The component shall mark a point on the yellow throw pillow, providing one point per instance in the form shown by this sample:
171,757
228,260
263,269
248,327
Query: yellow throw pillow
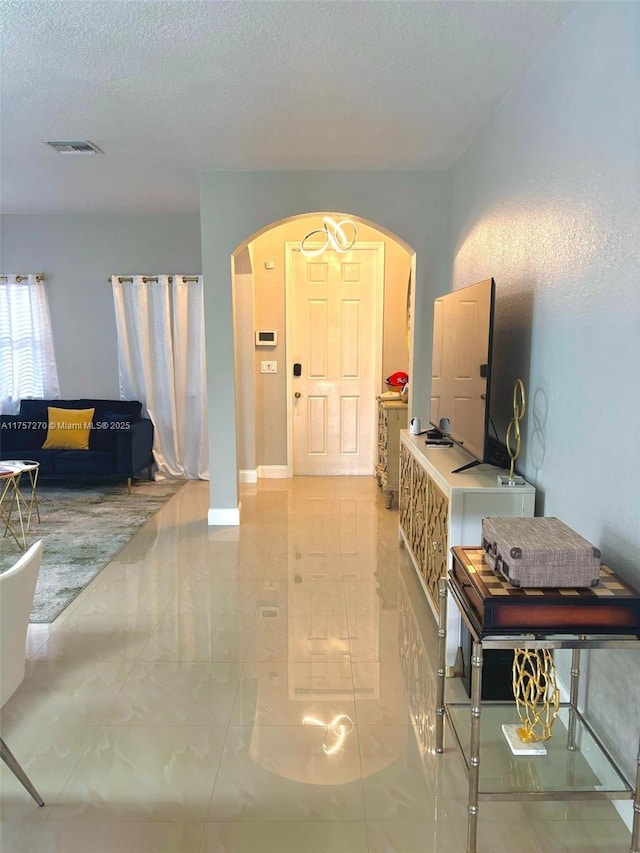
68,429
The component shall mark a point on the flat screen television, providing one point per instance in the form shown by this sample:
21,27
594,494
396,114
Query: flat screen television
461,369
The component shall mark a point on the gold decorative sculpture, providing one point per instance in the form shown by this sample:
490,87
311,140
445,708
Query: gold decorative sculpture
519,409
513,439
535,690
535,687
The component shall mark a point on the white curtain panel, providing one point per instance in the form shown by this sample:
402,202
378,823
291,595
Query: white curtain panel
27,358
190,375
161,358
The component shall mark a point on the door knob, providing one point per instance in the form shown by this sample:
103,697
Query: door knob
297,394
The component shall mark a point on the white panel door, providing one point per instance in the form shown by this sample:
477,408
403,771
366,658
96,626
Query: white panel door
333,337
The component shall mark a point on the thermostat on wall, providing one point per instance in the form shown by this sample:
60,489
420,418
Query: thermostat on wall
266,339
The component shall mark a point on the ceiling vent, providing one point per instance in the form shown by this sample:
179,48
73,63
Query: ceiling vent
82,147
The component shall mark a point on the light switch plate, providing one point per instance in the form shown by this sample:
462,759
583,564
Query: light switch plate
268,367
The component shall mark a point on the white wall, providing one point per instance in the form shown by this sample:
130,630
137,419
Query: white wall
78,254
546,201
236,205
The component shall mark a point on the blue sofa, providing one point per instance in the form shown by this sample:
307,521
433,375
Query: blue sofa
120,441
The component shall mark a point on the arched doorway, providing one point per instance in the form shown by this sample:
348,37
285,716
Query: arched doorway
262,286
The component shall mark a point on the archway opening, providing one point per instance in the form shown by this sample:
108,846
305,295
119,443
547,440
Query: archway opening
260,286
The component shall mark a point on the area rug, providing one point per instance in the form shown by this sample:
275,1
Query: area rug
83,526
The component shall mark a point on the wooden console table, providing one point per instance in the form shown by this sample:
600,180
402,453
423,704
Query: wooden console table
500,616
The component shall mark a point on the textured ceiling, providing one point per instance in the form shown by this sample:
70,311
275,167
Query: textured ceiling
167,89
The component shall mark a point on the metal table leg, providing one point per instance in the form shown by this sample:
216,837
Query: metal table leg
442,653
635,827
8,493
474,750
573,698
33,502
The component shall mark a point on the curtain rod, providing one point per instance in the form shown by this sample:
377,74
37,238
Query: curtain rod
146,279
22,277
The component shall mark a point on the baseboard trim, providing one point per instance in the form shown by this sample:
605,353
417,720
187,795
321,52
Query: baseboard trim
224,517
273,472
248,475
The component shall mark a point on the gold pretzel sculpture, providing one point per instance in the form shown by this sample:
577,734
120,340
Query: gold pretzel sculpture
536,693
535,687
513,430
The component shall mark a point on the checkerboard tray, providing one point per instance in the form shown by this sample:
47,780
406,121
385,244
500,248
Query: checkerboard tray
498,607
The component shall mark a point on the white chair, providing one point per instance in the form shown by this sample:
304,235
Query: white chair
17,586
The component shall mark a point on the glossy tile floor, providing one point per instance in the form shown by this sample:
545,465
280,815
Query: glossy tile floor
250,690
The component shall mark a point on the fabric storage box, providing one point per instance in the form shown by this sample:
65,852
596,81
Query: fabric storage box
539,552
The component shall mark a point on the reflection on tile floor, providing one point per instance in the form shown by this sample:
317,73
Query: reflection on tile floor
262,689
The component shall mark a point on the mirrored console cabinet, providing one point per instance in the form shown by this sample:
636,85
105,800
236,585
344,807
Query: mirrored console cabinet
392,417
438,509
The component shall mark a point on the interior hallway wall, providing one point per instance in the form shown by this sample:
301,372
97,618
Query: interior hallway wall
78,253
546,201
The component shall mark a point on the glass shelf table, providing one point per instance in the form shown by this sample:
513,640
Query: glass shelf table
16,507
577,766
